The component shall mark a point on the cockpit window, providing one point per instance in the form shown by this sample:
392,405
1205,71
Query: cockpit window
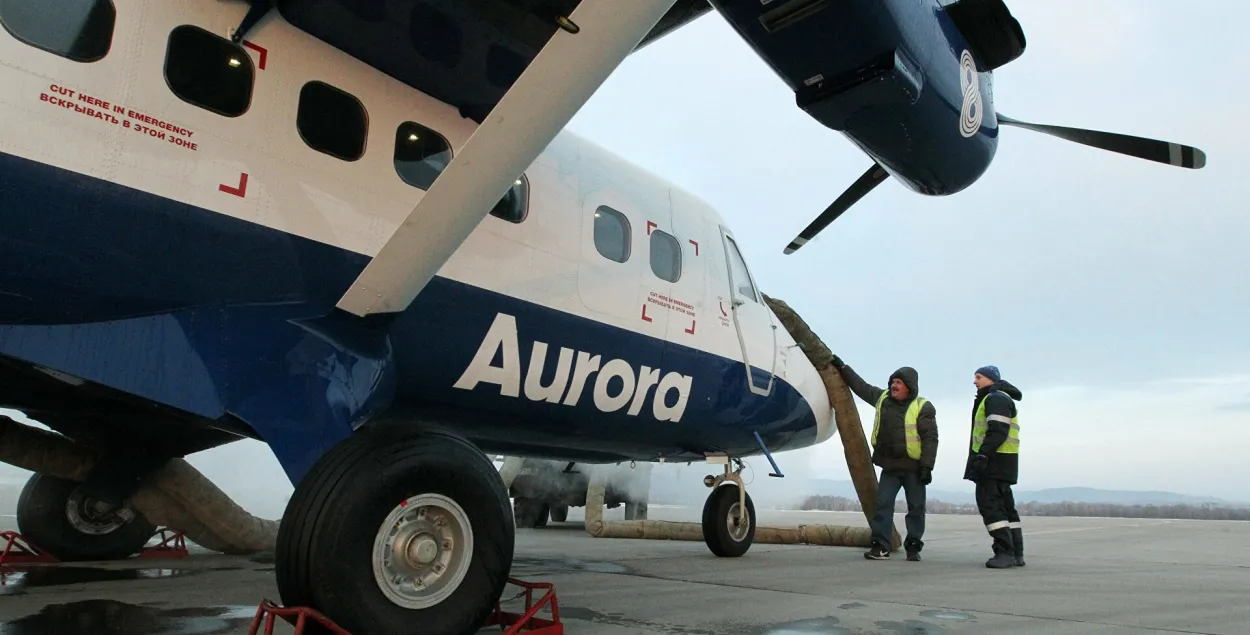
738,269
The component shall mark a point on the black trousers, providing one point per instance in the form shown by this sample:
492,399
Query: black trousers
883,521
997,505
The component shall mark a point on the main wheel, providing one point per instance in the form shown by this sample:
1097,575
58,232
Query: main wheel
528,513
398,531
724,533
559,513
635,511
53,514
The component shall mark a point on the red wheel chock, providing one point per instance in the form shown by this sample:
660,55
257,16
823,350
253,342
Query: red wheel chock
509,623
18,550
173,544
529,622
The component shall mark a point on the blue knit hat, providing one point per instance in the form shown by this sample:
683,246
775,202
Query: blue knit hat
990,372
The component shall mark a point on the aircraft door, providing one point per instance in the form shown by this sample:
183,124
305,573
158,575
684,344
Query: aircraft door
753,321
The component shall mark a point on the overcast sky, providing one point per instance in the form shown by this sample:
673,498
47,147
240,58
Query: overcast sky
1114,292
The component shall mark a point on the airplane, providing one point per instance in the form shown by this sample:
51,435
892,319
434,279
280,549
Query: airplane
357,232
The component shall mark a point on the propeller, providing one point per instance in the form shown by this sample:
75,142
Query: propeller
1165,152
860,188
1149,149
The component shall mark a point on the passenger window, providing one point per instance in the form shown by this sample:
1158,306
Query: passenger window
332,121
738,269
611,234
79,30
665,256
420,154
514,205
209,71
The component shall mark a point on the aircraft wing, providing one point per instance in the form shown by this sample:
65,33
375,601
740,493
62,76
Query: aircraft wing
520,68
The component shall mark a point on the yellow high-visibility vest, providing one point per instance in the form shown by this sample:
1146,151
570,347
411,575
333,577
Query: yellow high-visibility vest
909,424
980,424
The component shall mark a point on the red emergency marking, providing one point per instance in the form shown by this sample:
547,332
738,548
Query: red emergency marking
118,114
669,303
644,314
722,308
240,191
94,113
649,226
262,54
696,247
691,329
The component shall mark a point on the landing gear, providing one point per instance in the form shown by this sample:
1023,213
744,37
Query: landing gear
559,513
728,514
529,513
53,514
398,531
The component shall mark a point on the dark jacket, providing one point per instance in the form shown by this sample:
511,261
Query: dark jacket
890,451
1001,467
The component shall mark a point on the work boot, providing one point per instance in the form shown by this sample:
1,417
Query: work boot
1017,540
1004,550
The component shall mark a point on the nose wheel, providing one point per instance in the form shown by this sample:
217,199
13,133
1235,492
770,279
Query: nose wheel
728,515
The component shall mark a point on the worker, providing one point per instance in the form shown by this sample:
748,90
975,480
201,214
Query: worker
993,464
904,445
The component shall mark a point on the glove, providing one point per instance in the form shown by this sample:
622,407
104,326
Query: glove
980,462
838,363
926,476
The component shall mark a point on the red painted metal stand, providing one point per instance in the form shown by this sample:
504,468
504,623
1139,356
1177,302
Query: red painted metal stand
18,550
509,623
173,544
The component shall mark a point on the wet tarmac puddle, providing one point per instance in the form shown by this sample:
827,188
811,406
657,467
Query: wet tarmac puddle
15,582
565,565
912,627
108,617
818,626
949,615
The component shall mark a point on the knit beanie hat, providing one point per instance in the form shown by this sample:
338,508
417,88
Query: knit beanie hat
990,372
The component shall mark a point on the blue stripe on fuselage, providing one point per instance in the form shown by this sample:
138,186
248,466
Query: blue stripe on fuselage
203,312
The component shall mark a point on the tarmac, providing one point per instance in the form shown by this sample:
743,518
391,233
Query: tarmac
1083,575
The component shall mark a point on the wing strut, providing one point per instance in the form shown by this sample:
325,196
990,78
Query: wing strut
562,77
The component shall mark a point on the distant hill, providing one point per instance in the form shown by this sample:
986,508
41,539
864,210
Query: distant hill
1050,495
668,487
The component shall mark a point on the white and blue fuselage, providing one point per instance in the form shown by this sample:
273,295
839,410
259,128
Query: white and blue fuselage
156,252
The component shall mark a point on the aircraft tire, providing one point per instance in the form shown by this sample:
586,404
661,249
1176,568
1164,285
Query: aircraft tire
559,513
49,515
721,503
368,513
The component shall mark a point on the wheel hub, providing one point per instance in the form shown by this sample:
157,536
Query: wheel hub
94,517
737,523
422,551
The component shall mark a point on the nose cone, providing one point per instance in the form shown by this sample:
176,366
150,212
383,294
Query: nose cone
803,376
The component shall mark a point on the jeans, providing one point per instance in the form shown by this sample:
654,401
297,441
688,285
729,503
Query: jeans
883,521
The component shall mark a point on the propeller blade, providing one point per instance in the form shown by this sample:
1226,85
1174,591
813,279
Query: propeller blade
1150,149
862,186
